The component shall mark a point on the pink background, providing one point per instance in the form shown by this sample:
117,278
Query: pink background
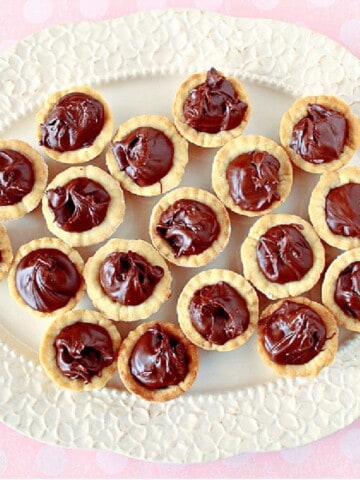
336,456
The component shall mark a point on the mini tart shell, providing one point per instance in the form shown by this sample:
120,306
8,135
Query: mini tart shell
160,394
324,358
204,139
317,202
47,354
46,242
245,144
202,196
30,201
180,158
5,252
80,155
329,285
113,309
212,277
251,268
298,111
114,215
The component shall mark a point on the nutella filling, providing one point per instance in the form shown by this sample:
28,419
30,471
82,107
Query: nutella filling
158,359
320,137
74,122
128,278
219,313
294,334
253,178
145,154
79,205
46,279
83,350
189,227
342,211
16,177
347,290
283,254
214,105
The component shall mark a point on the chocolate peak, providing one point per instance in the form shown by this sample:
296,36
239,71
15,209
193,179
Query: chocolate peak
16,177
347,290
342,211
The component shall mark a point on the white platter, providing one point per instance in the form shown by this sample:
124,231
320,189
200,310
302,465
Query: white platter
137,62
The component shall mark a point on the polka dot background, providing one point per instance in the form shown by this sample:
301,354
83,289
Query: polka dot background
337,456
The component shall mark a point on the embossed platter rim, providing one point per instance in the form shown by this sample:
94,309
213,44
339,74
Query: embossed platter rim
197,427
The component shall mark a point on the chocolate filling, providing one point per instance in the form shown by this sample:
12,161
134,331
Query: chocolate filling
219,313
16,177
79,205
158,359
320,137
283,254
294,334
145,154
347,290
128,278
83,350
189,227
342,211
74,122
214,105
253,178
46,279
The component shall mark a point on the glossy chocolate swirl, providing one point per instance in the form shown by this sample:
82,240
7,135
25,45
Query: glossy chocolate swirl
253,178
347,290
219,313
158,359
128,278
74,122
342,212
16,177
214,105
145,154
189,226
283,254
46,279
320,137
294,334
79,205
83,350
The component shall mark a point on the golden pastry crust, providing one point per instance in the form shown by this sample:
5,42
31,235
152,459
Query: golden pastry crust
115,212
204,139
212,277
160,394
251,268
298,111
30,201
47,353
317,202
324,358
245,144
202,196
6,254
80,155
329,286
57,244
180,158
113,309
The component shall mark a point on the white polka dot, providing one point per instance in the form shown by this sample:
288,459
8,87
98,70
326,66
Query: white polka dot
38,11
145,4
209,4
350,444
265,4
110,462
93,10
322,3
350,33
51,460
296,455
3,462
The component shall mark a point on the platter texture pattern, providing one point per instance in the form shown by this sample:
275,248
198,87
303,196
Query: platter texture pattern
197,427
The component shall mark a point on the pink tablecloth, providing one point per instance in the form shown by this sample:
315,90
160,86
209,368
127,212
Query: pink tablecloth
337,456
